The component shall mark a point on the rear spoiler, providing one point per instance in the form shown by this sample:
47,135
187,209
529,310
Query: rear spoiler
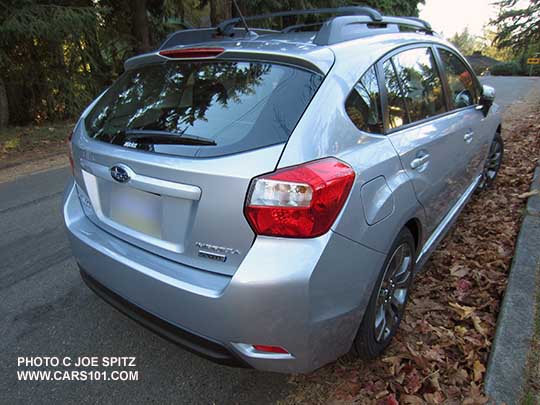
320,60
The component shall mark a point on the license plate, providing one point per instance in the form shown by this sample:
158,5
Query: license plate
136,209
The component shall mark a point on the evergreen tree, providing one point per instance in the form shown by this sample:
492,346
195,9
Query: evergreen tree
517,28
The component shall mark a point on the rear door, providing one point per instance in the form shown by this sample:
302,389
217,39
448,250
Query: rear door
165,157
426,138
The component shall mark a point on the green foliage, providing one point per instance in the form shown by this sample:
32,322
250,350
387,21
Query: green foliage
55,56
466,42
44,60
507,69
394,7
518,31
517,27
390,7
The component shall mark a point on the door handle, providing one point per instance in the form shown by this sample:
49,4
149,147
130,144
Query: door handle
420,161
468,137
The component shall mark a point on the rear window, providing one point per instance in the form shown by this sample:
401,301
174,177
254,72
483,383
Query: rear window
202,108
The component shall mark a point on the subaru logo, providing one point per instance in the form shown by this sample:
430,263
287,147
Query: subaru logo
120,173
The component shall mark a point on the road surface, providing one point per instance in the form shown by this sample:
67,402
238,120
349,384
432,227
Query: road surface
509,89
45,310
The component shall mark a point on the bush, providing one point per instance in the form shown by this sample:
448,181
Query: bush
507,69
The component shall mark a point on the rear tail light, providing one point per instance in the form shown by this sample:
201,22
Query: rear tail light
70,153
191,53
300,201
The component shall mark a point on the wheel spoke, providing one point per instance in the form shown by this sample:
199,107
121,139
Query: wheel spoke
399,256
398,299
393,292
391,320
491,167
380,323
403,271
402,279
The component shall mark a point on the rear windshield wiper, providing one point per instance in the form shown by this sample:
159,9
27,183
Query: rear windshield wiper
156,137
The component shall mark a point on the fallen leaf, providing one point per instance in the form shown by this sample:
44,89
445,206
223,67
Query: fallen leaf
463,311
391,400
528,194
411,400
478,325
478,369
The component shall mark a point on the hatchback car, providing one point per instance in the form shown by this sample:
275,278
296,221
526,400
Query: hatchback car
264,197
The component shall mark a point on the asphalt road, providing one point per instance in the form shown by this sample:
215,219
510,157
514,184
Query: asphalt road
510,89
45,310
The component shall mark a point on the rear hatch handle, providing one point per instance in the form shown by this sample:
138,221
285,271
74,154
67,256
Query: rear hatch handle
144,183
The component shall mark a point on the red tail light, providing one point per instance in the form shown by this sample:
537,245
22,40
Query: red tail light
70,153
190,53
300,201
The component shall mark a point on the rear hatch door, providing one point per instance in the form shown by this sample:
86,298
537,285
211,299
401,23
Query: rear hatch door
165,157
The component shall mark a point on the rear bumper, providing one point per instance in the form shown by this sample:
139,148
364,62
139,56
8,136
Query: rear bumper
307,296
200,345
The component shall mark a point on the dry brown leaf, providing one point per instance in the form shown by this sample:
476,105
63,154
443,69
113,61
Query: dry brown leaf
478,325
463,311
452,313
479,370
529,194
411,400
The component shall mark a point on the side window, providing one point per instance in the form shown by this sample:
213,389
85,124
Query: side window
397,112
363,104
463,90
420,82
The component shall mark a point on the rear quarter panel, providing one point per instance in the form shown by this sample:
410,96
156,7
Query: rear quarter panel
326,130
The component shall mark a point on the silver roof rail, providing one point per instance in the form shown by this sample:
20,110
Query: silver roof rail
345,28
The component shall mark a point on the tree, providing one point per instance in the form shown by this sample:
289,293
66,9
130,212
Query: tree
4,106
57,55
222,9
466,42
517,28
394,7
42,46
141,30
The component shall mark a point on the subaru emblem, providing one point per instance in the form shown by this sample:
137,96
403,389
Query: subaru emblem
120,173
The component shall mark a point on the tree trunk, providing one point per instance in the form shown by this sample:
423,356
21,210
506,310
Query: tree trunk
140,27
220,10
4,107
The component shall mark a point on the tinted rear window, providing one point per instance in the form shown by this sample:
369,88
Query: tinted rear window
226,107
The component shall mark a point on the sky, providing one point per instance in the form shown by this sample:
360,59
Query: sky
451,16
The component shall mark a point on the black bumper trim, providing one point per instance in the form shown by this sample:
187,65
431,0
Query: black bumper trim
199,345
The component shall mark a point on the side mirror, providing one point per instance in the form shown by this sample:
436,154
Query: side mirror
487,99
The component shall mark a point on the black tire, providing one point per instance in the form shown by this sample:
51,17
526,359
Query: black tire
367,344
492,164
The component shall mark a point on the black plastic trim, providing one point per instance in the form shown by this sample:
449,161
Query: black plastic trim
197,344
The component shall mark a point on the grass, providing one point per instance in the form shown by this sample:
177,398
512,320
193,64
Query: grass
531,394
33,141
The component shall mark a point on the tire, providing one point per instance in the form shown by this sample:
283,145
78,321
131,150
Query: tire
372,337
492,164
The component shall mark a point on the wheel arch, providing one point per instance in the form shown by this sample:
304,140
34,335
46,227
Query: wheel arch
415,227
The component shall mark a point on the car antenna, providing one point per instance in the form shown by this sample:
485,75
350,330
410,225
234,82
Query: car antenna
246,26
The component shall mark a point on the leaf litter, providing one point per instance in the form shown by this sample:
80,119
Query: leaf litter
441,351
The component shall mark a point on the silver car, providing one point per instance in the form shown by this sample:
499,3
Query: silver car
264,198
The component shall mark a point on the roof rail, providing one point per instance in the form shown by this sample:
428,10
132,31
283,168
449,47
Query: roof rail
200,35
224,27
345,28
350,23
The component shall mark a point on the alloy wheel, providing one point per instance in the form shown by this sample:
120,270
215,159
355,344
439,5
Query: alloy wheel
393,292
492,165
